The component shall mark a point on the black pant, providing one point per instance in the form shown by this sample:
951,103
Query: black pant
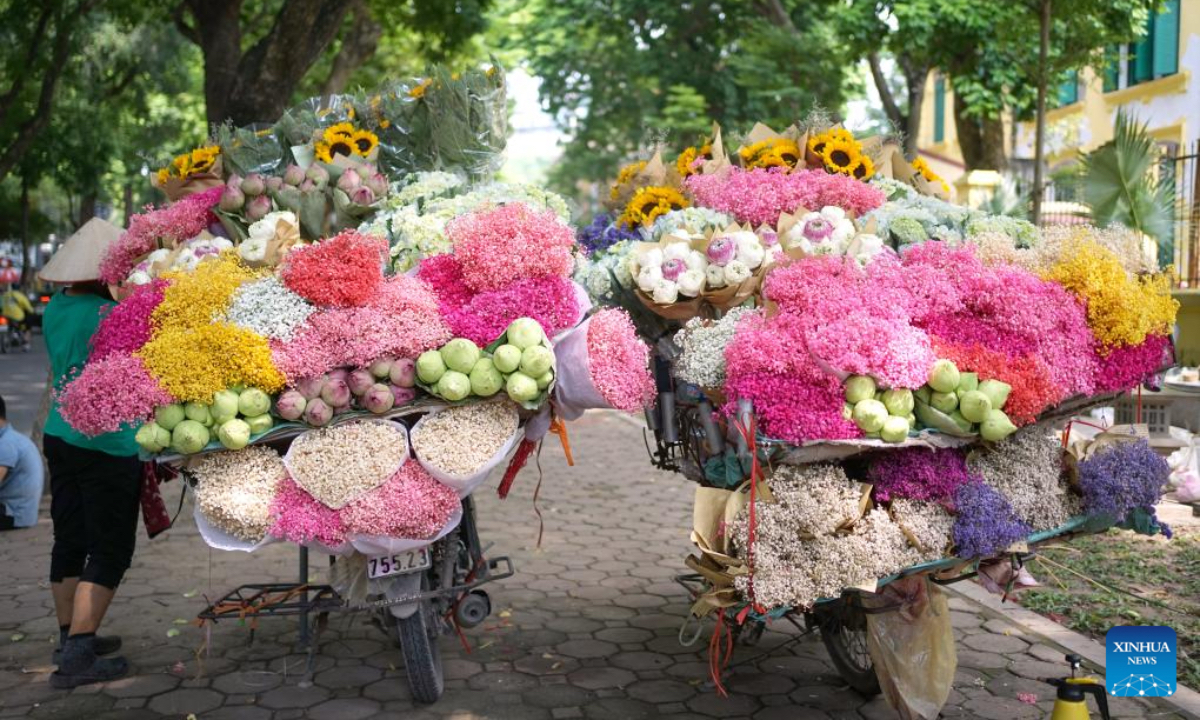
94,505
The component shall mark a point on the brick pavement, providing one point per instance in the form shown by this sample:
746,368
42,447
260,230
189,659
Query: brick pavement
586,629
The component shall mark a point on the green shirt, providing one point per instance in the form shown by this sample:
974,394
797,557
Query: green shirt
68,324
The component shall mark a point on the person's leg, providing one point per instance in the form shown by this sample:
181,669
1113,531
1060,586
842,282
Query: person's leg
69,553
64,600
91,604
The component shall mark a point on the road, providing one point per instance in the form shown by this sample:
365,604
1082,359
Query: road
22,382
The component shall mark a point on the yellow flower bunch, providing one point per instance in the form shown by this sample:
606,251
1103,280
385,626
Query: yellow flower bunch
1122,308
841,153
418,91
927,172
346,140
193,363
198,161
650,202
683,163
776,152
626,175
197,298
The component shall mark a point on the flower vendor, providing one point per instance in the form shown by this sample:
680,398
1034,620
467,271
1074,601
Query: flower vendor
94,481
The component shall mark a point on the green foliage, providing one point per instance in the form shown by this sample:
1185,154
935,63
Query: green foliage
1121,187
614,73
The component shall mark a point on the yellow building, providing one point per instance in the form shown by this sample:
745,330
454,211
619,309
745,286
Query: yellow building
1151,79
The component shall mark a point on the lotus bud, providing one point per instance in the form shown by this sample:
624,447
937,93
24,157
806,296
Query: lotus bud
317,174
258,207
366,170
349,181
944,402
274,184
870,415
996,391
378,184
859,388
975,406
996,426
234,181
362,195
293,175
381,368
317,413
944,376
402,395
232,199
307,186
899,401
254,184
310,388
378,398
895,429
360,381
336,392
403,373
291,404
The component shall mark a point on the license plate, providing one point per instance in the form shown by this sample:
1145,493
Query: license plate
408,561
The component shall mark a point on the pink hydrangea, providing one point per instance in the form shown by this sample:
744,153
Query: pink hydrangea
401,320
794,399
155,228
127,327
411,504
482,317
343,271
110,394
1009,310
618,361
300,518
499,246
759,195
1127,367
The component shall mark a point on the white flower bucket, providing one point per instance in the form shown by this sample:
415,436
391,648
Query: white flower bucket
220,540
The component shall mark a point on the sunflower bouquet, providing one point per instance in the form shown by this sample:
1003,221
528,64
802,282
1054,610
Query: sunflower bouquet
190,172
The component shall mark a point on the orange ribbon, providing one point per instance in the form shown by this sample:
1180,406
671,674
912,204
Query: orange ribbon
559,428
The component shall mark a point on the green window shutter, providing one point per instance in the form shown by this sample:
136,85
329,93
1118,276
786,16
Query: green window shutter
1068,91
1112,70
1165,59
1141,56
939,109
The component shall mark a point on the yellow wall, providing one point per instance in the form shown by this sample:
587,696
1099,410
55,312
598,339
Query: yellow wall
1170,106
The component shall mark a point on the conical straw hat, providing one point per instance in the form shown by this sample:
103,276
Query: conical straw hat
78,260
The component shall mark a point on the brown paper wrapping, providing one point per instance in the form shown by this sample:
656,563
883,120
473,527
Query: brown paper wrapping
720,159
178,188
655,174
761,132
286,237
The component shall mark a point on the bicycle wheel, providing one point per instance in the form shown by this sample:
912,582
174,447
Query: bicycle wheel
418,636
844,633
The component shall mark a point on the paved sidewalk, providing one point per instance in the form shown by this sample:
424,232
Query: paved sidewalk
586,629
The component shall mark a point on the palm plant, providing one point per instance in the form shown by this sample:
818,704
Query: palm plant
1120,186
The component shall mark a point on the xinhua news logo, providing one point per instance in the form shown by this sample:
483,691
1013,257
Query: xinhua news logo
1140,661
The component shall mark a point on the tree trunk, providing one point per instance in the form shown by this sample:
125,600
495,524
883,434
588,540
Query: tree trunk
87,207
257,85
27,265
914,78
980,140
357,47
130,210
1039,149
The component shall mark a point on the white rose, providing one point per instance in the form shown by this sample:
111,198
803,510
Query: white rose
749,249
691,283
650,258
832,213
138,277
696,261
843,231
865,247
221,244
649,278
666,292
715,276
156,256
186,259
736,272
676,251
264,229
253,249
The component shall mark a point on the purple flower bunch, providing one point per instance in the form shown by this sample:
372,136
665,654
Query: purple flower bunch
1122,478
602,233
920,474
985,522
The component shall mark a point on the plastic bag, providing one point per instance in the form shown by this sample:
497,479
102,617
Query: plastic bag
377,545
464,485
220,540
337,503
575,392
912,648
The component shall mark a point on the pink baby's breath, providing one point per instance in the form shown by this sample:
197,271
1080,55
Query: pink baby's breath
300,518
155,228
759,195
127,327
1127,367
618,361
499,246
411,504
343,271
109,394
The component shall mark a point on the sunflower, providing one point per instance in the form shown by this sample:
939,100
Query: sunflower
685,163
342,130
339,146
863,169
649,203
927,172
181,165
840,155
816,143
203,159
364,142
839,134
627,173
163,175
418,91
321,150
